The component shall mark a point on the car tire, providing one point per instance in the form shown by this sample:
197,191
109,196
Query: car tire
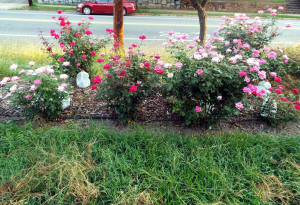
87,10
124,12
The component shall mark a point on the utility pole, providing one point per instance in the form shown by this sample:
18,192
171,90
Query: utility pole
118,23
30,2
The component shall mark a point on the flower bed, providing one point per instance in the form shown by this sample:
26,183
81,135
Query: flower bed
235,73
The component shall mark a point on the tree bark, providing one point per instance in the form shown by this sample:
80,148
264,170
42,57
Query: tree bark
30,2
200,6
118,24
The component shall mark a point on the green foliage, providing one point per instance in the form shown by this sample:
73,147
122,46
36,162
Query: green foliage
189,89
127,83
39,92
72,165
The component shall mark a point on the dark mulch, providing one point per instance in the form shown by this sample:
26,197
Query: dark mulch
155,112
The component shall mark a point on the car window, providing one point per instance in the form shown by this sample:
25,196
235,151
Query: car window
102,1
109,0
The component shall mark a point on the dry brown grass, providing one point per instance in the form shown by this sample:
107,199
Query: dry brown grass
129,198
272,188
68,175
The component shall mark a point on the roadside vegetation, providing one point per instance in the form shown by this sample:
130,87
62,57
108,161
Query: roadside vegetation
75,164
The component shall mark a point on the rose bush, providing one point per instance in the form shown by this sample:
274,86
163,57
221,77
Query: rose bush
78,47
127,81
207,83
38,91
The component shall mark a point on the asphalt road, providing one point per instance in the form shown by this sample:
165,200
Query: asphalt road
24,25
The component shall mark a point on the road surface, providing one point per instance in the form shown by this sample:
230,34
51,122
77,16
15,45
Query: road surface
18,25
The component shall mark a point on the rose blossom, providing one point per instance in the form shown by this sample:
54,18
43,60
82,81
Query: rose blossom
27,97
37,82
63,76
288,25
31,63
239,105
87,32
66,63
106,66
15,78
219,97
273,74
200,72
132,88
277,79
13,67
142,37
33,88
178,65
272,54
60,88
197,109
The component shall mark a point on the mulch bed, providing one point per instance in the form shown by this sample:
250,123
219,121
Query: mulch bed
155,112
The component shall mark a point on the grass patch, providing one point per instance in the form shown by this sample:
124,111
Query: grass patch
210,14
92,165
20,53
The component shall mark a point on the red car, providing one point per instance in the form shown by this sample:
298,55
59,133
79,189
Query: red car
104,6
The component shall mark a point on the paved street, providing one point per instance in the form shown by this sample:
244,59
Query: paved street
19,25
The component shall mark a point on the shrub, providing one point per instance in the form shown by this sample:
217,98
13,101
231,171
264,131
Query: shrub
202,86
39,91
128,81
79,48
208,82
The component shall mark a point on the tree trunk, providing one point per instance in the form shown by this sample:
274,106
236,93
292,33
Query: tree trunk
201,6
202,21
118,24
30,2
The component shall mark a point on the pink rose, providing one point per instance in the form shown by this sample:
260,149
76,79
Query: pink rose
197,109
37,82
239,105
27,97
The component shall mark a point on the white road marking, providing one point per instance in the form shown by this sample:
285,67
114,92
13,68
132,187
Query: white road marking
135,39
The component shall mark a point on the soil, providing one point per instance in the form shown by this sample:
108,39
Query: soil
155,114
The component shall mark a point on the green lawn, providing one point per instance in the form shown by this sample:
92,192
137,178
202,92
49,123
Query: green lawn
77,164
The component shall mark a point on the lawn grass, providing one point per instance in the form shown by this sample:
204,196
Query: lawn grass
75,164
20,53
156,12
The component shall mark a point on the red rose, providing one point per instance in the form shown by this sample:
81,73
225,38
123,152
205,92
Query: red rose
277,79
97,80
123,73
281,87
93,87
295,91
100,60
87,32
147,64
59,11
278,91
116,44
297,107
133,88
93,53
270,89
106,66
142,37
